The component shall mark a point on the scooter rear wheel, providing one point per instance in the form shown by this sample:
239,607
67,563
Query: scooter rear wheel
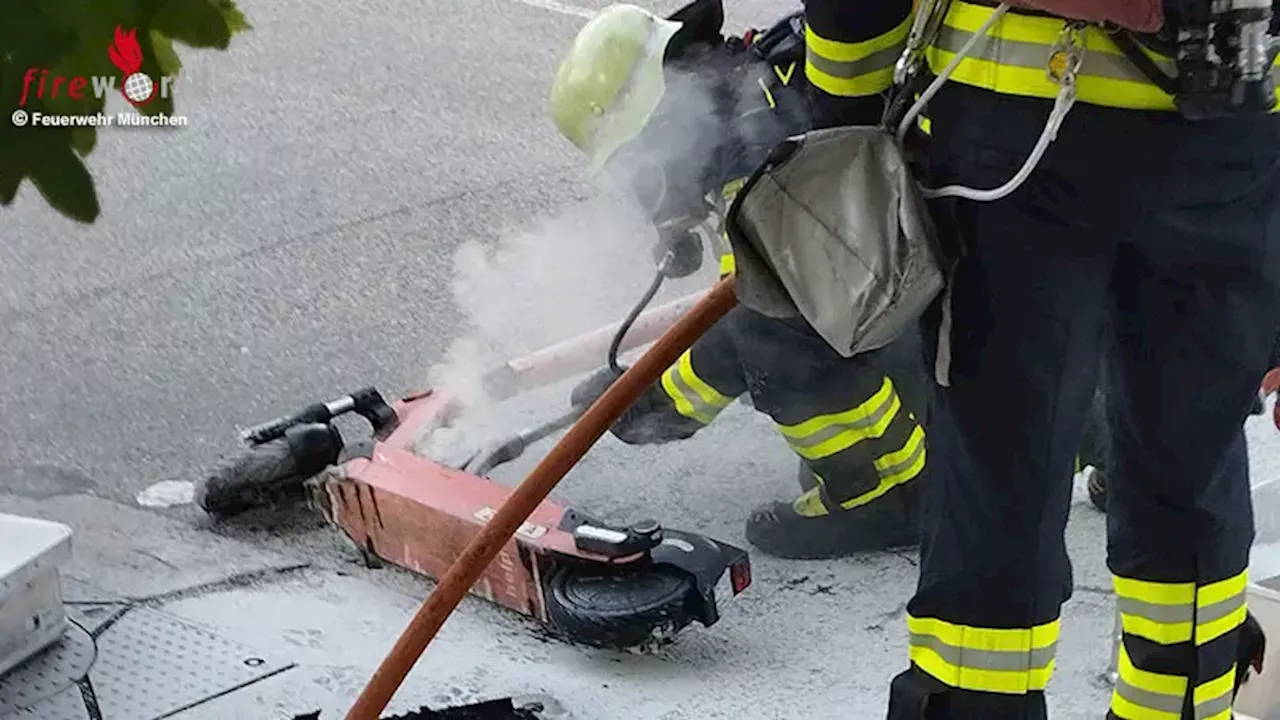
619,609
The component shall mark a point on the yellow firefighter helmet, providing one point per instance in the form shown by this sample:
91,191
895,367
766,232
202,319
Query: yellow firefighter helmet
611,80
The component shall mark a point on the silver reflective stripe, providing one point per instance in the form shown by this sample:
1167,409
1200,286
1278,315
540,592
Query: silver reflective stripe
1213,708
825,433
1035,56
849,69
702,410
1165,614
1220,609
1020,661
1150,700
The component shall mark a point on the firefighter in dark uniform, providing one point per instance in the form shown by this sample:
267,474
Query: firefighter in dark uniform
1164,225
851,421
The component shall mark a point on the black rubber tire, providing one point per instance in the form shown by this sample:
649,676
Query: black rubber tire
619,609
256,477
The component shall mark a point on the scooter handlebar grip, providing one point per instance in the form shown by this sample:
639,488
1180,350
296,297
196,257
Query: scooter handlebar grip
273,429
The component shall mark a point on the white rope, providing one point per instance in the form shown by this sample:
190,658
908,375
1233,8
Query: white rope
1061,106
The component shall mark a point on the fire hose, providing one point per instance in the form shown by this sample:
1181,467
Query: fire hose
494,535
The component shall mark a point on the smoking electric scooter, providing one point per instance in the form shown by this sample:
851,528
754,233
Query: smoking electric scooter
591,582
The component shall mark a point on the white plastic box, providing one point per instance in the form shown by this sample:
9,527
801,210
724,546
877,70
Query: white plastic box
32,616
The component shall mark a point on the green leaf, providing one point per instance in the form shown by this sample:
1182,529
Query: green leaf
236,21
65,183
192,22
83,139
32,38
166,57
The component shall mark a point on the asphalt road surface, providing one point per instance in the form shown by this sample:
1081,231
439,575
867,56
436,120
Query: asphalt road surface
296,240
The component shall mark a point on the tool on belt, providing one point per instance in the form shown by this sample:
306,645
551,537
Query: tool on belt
1223,57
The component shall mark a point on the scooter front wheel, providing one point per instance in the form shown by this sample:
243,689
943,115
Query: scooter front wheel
615,608
251,479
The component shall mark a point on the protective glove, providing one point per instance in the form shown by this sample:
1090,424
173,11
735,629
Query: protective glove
643,423
1144,16
686,250
590,389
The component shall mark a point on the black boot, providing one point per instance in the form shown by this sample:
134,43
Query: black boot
1253,646
802,530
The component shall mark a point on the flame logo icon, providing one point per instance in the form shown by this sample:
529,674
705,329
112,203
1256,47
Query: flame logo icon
125,53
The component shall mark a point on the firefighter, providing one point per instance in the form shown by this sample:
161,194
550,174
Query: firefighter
851,421
1139,212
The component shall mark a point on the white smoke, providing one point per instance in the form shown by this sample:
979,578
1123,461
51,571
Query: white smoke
578,270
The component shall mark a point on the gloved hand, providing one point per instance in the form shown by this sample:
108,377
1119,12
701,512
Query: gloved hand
590,389
643,423
686,249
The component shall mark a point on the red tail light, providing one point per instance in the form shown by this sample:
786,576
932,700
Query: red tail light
740,575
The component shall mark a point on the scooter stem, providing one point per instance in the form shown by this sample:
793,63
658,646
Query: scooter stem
495,534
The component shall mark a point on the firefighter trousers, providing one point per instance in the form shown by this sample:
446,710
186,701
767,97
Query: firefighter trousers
1151,243
849,419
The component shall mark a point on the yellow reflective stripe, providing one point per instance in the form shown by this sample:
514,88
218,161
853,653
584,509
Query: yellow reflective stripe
693,397
785,77
926,125
726,264
709,395
1163,613
1014,26
1220,607
731,188
1213,699
905,463
1157,593
848,52
810,503
854,69
1223,590
773,104
1008,661
1014,59
872,83
825,435
1143,695
895,468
